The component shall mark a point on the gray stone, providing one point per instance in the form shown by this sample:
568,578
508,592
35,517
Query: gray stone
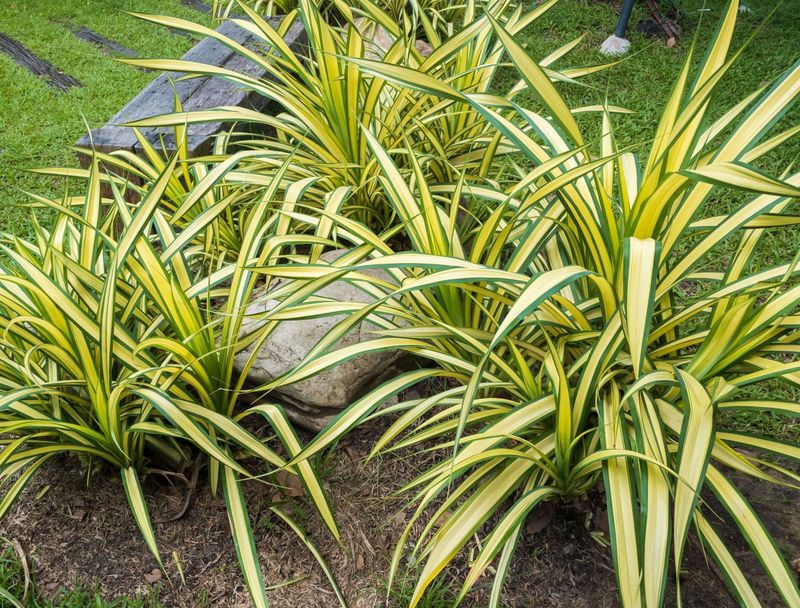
377,41
313,402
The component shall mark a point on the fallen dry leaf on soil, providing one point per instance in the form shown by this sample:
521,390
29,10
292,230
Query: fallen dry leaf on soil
290,484
601,520
352,454
541,517
153,576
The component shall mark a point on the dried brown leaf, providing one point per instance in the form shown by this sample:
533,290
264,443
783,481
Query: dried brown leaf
541,517
153,576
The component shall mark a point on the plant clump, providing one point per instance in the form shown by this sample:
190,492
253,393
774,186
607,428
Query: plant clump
542,275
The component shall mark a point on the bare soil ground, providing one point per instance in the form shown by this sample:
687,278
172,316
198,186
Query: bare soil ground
74,533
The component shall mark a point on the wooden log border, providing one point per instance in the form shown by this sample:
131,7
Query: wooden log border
106,46
198,5
195,94
35,65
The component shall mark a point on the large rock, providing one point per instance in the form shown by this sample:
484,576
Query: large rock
377,41
313,402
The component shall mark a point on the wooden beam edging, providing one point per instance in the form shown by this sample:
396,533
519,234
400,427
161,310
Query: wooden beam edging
35,65
106,45
197,5
195,94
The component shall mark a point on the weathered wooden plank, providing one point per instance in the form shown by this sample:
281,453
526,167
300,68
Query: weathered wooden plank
35,65
195,94
198,5
218,92
106,46
158,96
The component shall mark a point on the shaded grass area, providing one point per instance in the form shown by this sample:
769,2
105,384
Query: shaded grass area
39,124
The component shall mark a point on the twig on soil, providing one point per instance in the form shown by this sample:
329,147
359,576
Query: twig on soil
291,581
187,500
367,545
208,565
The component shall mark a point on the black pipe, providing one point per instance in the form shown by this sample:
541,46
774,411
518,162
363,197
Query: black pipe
624,17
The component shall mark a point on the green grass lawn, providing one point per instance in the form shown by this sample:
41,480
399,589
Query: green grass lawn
643,79
39,124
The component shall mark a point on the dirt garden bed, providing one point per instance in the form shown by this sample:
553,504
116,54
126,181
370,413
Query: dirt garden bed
78,535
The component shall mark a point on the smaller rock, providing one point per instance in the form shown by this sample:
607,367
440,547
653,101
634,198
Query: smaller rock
398,519
541,517
352,454
425,49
